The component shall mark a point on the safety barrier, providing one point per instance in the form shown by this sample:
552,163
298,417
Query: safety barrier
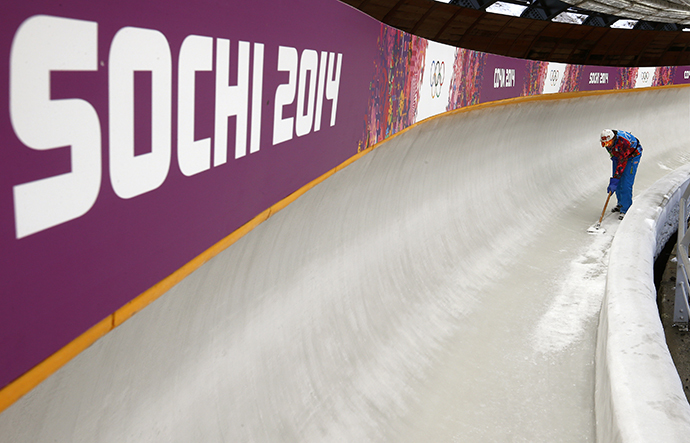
639,396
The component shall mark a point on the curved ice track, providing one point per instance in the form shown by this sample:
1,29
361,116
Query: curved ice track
441,288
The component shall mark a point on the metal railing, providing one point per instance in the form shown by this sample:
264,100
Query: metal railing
681,307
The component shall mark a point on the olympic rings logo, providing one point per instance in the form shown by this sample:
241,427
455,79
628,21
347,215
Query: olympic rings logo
438,75
553,77
644,76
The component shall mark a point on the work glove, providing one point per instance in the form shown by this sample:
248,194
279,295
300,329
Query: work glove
613,184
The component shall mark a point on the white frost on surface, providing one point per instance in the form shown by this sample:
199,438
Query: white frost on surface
578,296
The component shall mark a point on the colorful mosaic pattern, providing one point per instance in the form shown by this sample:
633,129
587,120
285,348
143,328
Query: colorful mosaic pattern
627,79
664,76
468,72
536,77
394,91
571,78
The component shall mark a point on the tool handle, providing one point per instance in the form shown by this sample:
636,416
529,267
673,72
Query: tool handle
605,205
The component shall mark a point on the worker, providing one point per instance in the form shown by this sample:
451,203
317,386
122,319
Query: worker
625,151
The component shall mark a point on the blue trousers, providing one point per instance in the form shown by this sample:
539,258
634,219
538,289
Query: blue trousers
625,185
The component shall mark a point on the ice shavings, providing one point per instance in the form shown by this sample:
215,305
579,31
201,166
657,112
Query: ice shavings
578,297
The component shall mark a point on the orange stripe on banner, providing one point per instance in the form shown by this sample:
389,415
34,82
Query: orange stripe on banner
25,383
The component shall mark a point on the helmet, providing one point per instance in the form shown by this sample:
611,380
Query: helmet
607,136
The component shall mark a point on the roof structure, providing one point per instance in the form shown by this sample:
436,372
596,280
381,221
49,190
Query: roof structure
591,32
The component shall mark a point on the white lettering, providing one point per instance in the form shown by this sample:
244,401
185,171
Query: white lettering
499,76
598,78
504,78
137,49
196,54
257,97
231,101
305,117
320,90
333,83
510,78
285,95
43,44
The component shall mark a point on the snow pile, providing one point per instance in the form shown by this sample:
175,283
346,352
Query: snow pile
639,396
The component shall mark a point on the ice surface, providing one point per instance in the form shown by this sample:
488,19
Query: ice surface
441,288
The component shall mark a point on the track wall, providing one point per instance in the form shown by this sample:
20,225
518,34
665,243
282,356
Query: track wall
139,137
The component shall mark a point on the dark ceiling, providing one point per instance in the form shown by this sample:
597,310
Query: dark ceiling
528,38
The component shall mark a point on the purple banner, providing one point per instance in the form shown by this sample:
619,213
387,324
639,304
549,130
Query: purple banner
595,78
138,134
503,78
